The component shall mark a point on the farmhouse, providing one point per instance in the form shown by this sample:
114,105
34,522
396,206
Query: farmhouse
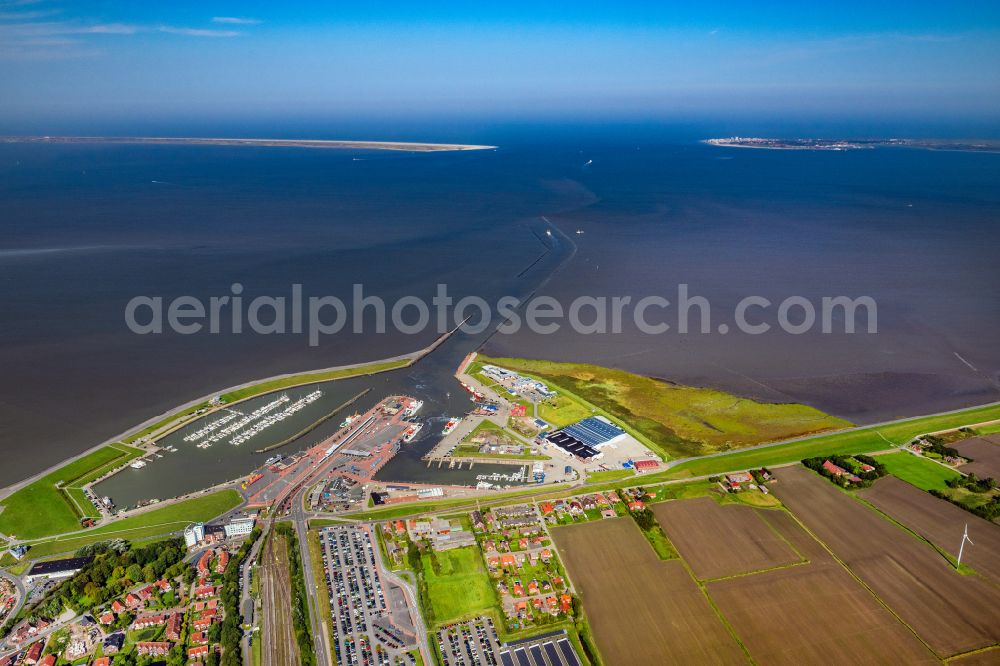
734,482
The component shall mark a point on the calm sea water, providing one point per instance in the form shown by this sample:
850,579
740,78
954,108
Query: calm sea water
84,229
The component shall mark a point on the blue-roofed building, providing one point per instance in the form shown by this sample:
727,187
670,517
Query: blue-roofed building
594,431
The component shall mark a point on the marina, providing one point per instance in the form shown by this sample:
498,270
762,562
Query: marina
430,381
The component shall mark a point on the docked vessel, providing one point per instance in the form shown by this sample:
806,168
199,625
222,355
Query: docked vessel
412,431
266,420
413,408
476,395
350,419
138,464
451,425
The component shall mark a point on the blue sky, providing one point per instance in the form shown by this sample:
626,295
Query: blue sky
64,60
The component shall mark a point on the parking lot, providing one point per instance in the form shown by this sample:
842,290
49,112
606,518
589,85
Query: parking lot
367,628
472,643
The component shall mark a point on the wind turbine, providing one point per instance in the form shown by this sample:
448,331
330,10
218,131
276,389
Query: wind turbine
961,547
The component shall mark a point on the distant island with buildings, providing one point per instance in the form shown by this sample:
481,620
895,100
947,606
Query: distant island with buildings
853,144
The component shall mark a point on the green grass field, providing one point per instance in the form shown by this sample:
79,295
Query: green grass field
610,475
917,470
462,588
678,421
864,440
42,509
310,378
144,525
990,429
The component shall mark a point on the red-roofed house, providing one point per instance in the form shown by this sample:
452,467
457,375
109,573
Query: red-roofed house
174,626
147,592
34,653
201,624
117,606
646,465
144,621
836,470
198,651
199,637
205,592
637,505
48,660
164,585
565,603
107,618
133,601
152,647
205,562
547,508
103,661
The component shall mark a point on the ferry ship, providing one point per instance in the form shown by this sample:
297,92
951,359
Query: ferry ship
413,408
412,431
451,425
350,419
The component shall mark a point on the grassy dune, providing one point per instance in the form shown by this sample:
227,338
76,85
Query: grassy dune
680,420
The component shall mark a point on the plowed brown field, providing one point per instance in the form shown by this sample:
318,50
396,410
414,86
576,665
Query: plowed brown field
719,541
642,610
951,612
940,522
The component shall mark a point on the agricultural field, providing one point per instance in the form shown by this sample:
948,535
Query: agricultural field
629,594
458,586
918,470
678,420
814,614
939,522
951,612
46,507
985,455
721,541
